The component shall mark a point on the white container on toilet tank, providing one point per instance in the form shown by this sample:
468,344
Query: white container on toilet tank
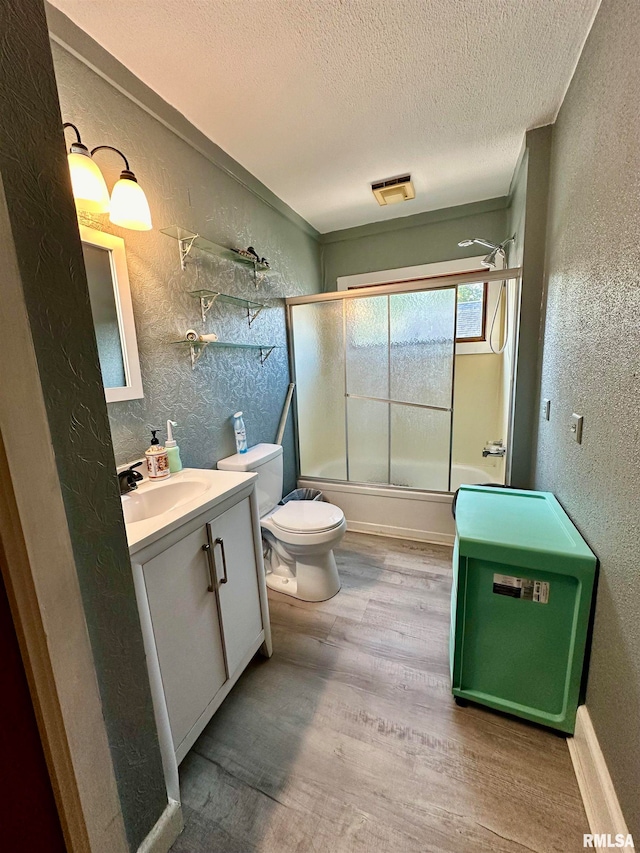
300,536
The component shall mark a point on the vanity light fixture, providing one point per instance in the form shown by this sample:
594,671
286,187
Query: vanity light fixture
89,188
128,206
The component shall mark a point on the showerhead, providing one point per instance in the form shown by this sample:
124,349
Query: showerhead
489,260
479,241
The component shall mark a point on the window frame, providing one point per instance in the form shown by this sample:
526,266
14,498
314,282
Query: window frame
483,337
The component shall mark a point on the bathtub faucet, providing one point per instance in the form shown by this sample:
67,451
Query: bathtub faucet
494,448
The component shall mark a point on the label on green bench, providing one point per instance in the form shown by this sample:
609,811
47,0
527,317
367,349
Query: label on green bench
523,588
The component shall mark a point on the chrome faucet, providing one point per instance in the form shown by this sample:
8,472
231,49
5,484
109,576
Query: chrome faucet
494,448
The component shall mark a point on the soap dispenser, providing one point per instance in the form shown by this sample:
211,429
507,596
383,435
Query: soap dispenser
173,451
157,461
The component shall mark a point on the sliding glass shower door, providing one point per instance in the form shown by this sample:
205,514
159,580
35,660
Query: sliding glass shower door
374,377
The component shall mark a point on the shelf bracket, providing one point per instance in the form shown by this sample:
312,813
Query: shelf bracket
252,316
206,304
196,354
265,355
185,247
258,277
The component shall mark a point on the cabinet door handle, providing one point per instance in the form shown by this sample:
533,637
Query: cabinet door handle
220,542
210,565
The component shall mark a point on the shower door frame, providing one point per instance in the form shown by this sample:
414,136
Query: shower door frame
441,282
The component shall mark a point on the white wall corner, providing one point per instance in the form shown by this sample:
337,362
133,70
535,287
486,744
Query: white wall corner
596,788
167,828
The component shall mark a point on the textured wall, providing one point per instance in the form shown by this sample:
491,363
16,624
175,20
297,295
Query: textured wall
590,365
528,221
185,188
48,250
425,238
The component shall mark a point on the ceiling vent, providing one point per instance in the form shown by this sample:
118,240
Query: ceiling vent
393,190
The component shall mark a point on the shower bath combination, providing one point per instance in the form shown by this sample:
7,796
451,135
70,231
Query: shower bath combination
489,261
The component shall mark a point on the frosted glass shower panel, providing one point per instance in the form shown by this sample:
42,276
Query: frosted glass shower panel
367,350
318,343
422,330
420,448
368,431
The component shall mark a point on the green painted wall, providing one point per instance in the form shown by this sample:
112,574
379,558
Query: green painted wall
424,238
591,361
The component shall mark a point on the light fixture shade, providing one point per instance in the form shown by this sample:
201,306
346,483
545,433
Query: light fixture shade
89,188
129,206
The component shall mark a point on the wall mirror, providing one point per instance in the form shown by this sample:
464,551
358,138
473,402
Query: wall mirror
106,264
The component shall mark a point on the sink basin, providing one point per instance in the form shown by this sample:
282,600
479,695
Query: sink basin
159,508
151,499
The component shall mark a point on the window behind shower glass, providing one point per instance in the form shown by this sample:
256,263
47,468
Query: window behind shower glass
471,312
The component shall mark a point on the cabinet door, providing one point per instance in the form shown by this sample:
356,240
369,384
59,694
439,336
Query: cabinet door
231,537
186,628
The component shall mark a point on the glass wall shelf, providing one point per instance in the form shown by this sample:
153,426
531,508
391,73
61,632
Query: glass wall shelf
209,297
197,348
188,240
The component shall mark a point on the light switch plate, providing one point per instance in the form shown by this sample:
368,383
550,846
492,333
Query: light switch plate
576,427
546,409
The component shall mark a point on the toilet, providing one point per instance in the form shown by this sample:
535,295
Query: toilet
299,536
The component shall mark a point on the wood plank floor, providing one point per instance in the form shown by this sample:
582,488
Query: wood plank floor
348,738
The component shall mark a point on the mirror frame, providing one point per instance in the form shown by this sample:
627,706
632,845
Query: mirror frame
124,309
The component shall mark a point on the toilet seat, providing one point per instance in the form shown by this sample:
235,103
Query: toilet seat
307,517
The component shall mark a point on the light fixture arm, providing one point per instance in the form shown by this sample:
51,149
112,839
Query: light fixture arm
77,147
77,132
127,171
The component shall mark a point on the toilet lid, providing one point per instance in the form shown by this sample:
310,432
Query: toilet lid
307,516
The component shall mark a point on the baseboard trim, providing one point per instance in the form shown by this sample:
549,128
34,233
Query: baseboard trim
596,788
167,828
401,532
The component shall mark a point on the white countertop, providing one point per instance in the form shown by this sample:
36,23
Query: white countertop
214,487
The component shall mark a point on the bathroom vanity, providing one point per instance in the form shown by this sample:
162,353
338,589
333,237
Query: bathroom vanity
196,555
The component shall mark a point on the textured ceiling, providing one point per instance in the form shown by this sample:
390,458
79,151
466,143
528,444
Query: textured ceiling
318,98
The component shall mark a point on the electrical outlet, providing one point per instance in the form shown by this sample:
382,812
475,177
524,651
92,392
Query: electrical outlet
546,409
576,427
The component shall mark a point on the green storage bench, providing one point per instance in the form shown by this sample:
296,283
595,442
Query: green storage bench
523,581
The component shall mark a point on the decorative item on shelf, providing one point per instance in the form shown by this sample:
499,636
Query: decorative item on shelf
251,254
199,343
258,263
194,337
189,240
128,206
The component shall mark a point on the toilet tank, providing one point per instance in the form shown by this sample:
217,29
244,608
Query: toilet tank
266,461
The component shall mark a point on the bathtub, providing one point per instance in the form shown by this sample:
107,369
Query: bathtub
467,475
397,511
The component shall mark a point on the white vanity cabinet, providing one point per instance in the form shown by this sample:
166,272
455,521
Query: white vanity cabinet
233,563
187,630
202,601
